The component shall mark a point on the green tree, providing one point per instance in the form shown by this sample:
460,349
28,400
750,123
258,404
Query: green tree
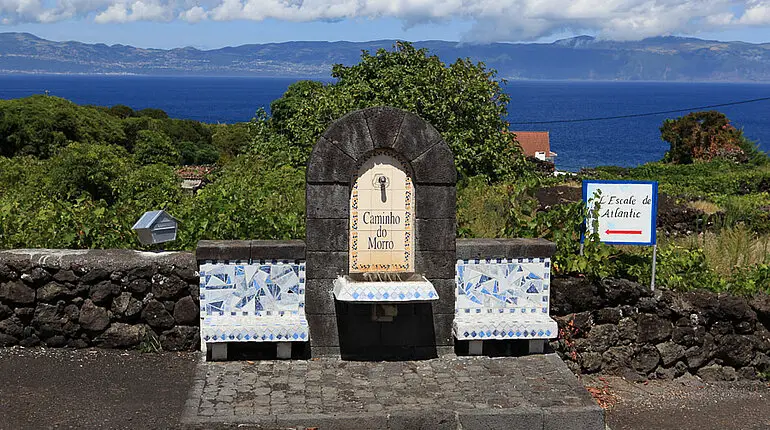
41,125
152,113
121,111
272,196
90,169
462,100
155,147
231,140
705,136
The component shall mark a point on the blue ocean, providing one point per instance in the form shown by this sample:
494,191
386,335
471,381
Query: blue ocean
621,142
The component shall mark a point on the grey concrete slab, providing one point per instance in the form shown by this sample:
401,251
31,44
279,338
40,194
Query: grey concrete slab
350,134
327,200
468,249
227,250
586,418
277,250
326,264
501,419
435,234
323,330
319,298
418,420
435,264
435,201
446,296
339,421
416,137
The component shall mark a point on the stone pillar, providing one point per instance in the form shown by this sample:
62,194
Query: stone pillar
346,144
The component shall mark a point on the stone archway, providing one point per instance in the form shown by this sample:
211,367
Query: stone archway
334,161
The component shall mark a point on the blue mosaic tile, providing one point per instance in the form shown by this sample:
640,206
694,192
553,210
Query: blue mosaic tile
252,302
503,298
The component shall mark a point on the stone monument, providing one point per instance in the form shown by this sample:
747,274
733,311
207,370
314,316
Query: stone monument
380,274
380,237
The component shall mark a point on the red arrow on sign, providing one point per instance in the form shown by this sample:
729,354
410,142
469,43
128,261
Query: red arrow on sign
623,232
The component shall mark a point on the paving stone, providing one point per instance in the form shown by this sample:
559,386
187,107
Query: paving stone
475,392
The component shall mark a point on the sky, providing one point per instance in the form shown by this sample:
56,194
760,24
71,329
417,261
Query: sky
211,24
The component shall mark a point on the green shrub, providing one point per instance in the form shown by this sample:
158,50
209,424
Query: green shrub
155,147
41,125
250,198
90,170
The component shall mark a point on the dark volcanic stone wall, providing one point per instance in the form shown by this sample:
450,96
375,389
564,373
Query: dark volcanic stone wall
104,298
621,327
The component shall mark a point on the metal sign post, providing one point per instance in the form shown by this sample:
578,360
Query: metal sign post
654,261
627,214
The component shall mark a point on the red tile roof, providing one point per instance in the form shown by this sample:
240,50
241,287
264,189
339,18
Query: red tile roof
194,172
533,141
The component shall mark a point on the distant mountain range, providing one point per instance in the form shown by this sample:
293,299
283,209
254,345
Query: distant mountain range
579,58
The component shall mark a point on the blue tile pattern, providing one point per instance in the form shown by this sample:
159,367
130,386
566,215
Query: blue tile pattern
259,302
375,292
503,299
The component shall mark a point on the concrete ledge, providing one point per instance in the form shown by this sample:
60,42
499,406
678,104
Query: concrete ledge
583,418
277,250
108,259
347,421
246,250
502,419
223,250
468,249
423,420
525,417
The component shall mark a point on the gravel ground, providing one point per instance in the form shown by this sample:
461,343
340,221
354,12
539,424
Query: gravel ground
683,404
44,388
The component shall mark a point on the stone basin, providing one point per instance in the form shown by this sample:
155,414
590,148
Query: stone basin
384,288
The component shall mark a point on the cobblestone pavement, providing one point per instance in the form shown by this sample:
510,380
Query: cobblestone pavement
451,392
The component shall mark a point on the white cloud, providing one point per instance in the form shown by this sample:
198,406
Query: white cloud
136,11
193,15
757,13
494,19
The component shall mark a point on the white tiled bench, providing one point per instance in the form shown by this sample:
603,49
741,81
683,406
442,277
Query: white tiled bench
262,301
503,298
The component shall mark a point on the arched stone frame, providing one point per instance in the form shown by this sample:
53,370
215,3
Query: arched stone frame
333,162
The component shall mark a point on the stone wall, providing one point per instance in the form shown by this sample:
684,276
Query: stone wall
104,298
621,327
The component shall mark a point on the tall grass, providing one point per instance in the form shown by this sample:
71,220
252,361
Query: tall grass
732,248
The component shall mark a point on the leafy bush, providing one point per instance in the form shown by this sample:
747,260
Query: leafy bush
705,136
155,147
41,125
89,170
462,100
248,199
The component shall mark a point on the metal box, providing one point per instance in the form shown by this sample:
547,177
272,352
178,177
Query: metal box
156,227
